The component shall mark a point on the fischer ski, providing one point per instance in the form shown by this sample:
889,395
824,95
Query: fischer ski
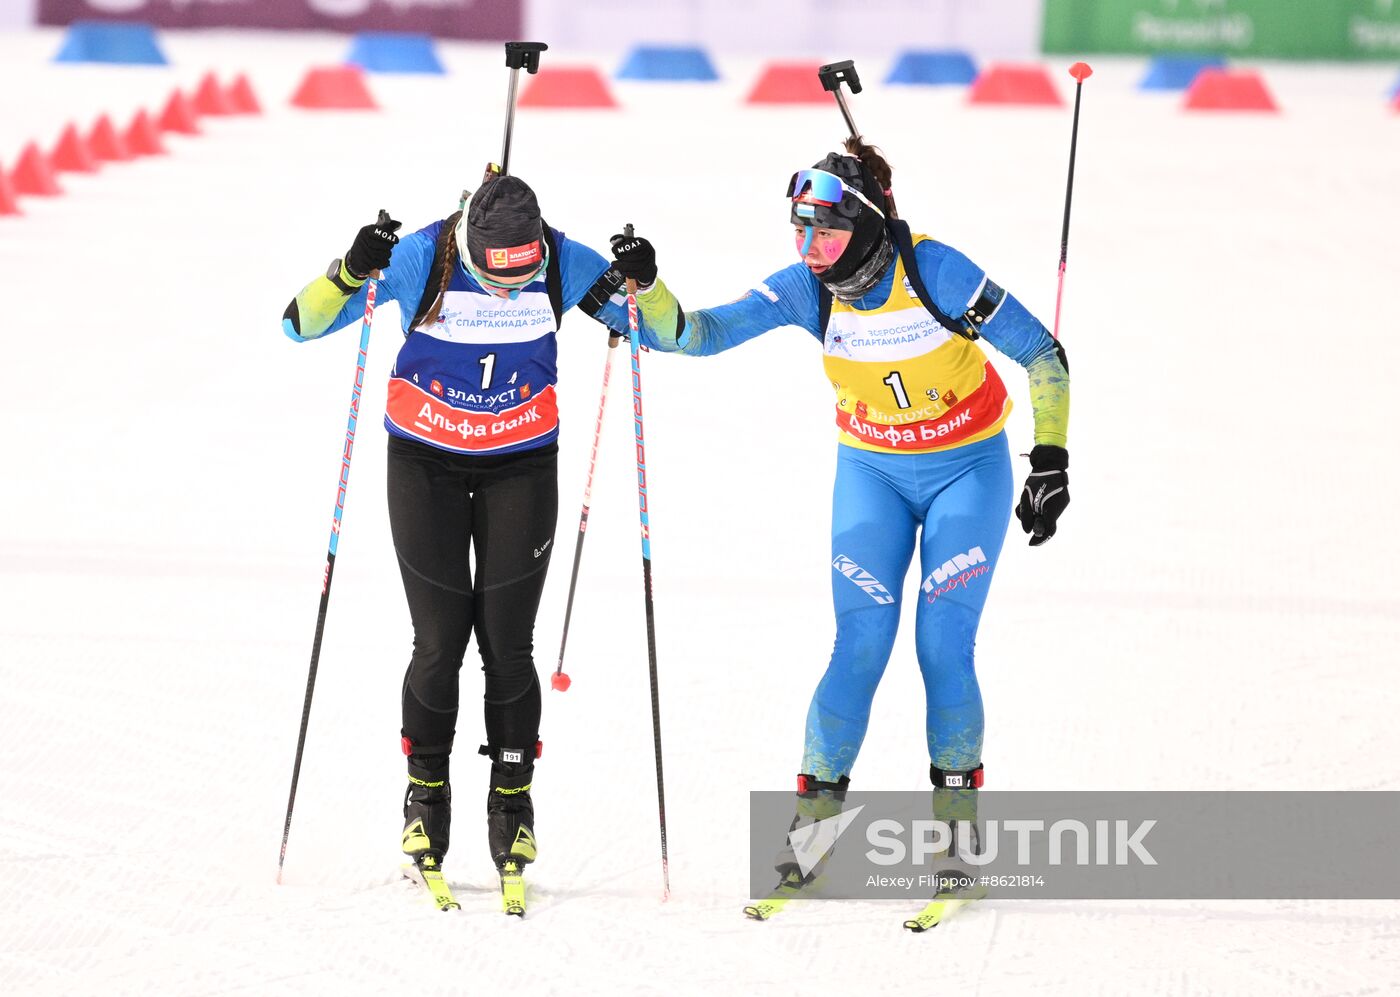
789,889
432,880
940,908
513,889
936,913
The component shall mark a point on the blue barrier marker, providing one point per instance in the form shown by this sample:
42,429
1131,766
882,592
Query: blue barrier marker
658,62
394,52
111,42
952,66
1177,72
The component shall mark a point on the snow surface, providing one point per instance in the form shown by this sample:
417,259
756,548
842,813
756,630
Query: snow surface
1221,609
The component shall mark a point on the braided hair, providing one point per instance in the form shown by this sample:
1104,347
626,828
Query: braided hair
449,267
874,160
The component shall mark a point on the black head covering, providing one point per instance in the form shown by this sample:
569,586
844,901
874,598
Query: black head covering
505,235
866,226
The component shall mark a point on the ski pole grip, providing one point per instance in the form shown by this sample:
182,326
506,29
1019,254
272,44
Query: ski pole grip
383,219
627,231
524,55
833,75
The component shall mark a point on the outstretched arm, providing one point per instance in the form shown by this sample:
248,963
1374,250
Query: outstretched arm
788,297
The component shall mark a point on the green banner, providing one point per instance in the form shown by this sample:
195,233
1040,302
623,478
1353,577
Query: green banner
1271,29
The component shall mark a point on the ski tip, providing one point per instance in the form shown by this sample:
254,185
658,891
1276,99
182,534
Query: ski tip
513,902
939,911
512,890
764,909
1081,71
435,885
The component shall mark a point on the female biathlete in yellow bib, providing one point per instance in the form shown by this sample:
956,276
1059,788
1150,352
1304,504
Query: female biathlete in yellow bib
922,457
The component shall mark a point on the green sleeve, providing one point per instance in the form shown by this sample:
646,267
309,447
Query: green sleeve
313,311
663,322
1049,386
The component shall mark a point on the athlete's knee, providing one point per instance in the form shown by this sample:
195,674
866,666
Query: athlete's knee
865,637
510,682
506,653
441,643
950,677
945,637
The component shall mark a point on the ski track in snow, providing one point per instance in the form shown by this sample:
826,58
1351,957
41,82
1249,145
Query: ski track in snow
1220,611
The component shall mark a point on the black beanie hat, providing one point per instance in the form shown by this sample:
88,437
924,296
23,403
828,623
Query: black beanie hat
866,226
505,235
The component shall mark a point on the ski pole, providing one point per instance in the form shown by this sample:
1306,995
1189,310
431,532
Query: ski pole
1081,72
519,55
561,680
832,76
636,342
371,289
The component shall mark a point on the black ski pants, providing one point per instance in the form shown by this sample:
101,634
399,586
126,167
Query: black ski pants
442,507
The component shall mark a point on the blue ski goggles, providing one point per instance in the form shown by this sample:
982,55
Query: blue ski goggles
811,189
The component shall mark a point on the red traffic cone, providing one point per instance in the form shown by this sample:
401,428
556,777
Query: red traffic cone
788,83
178,115
9,200
341,88
211,99
242,98
1003,83
1229,90
142,138
34,173
567,86
72,153
105,143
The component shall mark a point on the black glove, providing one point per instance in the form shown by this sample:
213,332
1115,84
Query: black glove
1046,493
372,246
636,258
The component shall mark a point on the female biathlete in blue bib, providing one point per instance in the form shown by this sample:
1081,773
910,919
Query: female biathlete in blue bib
922,459
472,468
